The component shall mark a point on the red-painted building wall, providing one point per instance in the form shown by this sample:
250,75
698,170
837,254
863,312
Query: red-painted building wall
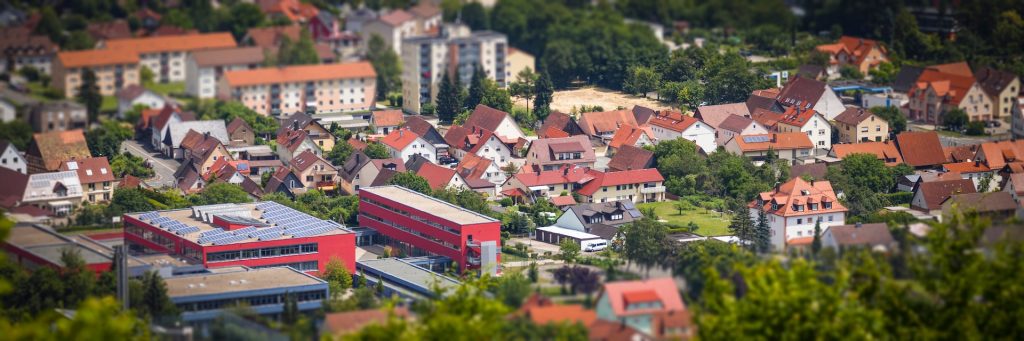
489,231
341,246
30,260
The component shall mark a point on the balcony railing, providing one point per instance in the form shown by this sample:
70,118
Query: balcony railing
655,189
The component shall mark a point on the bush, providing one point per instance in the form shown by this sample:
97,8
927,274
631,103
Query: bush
975,128
899,198
850,72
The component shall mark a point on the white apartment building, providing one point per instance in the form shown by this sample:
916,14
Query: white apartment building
204,69
311,89
166,55
425,59
795,207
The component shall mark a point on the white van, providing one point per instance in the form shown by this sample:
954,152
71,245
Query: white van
594,245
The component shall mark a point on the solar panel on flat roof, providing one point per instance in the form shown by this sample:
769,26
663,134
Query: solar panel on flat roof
755,139
149,215
187,230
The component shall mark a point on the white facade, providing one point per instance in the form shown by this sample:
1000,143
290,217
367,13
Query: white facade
331,96
8,111
392,35
724,135
157,136
495,150
11,159
829,104
419,146
425,59
699,133
286,156
785,229
817,128
148,98
175,62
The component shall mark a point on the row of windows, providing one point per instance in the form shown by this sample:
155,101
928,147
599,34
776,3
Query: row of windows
301,266
276,251
150,236
410,231
411,216
303,296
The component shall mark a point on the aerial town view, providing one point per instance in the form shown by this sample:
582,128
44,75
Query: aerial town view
511,170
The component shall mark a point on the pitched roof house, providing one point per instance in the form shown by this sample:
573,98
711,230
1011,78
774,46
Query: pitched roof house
795,207
713,115
601,218
794,147
636,185
284,181
483,143
630,136
553,153
320,135
240,133
11,159
997,206
293,142
639,304
811,94
386,120
862,54
874,236
671,125
314,171
130,96
928,196
548,183
177,131
359,170
885,151
496,121
630,157
95,175
559,124
403,144
13,190
1002,87
998,154
57,192
604,124
49,150
920,149
860,125
736,125
440,177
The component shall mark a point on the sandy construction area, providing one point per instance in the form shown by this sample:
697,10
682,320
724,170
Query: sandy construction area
565,100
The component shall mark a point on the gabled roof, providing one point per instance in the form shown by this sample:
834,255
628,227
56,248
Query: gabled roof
558,124
353,165
769,119
425,10
642,114
270,37
999,153
392,163
100,57
415,162
566,174
593,123
662,290
961,153
796,191
90,170
811,71
906,79
854,116
485,117
279,179
236,124
399,139
13,189
956,68
876,234
950,80
306,159
456,136
357,144
966,167
44,186
292,139
803,91
714,115
59,146
472,166
425,130
396,17
169,110
630,157
383,177
935,192
920,148
188,42
215,128
735,123
673,120
774,141
860,48
387,118
999,201
881,150
544,151
300,73
202,151
798,117
755,102
994,81
814,170
628,136
297,120
635,176
437,176
131,92
229,56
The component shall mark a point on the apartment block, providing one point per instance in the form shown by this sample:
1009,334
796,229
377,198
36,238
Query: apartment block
166,55
114,70
204,69
311,89
425,60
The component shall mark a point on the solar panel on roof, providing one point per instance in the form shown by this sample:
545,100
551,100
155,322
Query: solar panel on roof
187,230
755,139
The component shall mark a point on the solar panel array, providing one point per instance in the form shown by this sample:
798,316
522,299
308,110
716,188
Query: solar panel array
294,223
149,215
756,139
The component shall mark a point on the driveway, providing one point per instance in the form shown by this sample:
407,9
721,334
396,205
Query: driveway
163,168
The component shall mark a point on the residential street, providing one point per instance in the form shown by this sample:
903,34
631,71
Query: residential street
163,168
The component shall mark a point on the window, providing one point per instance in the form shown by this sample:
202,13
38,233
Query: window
799,221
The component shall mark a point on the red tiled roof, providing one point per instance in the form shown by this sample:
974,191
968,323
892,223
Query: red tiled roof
769,119
966,167
797,117
291,139
859,48
352,321
552,132
560,313
566,174
629,157
998,154
564,200
396,17
270,37
635,176
672,120
299,73
935,192
948,80
357,144
437,176
56,147
920,148
593,123
387,118
961,153
957,68
306,159
664,289
774,141
238,122
90,170
472,166
882,150
13,189
189,42
802,90
713,115
485,117
399,139
87,58
854,116
798,191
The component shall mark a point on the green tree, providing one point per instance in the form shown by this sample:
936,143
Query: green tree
263,126
449,97
106,141
499,98
892,115
146,75
18,132
524,86
127,200
79,40
128,164
644,241
244,16
376,150
816,243
691,94
763,233
411,181
340,153
337,277
512,289
569,249
885,73
50,25
386,64
742,226
641,80
543,92
955,119
220,193
155,302
850,72
297,53
477,88
89,94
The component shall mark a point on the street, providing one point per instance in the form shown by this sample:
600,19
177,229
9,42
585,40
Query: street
163,169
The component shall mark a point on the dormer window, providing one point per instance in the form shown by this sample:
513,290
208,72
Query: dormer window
827,204
812,207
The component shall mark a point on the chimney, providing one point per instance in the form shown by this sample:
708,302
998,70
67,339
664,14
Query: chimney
858,225
812,182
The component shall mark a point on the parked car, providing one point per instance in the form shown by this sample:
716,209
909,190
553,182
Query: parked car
595,246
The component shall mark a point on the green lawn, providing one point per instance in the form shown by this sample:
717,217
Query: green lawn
710,223
109,104
167,88
508,257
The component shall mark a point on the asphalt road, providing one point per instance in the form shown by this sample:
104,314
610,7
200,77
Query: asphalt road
163,168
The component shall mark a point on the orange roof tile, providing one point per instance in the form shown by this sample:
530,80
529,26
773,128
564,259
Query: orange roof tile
399,139
300,73
387,118
884,151
775,141
664,288
594,123
628,135
999,154
798,191
920,148
85,58
630,176
672,120
437,176
569,313
966,167
172,43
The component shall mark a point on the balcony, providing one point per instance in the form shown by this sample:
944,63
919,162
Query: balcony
655,189
325,185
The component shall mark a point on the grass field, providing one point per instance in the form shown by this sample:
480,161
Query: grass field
710,223
167,88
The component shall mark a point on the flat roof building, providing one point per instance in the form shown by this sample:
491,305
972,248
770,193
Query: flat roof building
404,277
203,297
420,225
264,234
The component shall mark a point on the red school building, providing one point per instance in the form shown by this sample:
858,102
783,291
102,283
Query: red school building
256,235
